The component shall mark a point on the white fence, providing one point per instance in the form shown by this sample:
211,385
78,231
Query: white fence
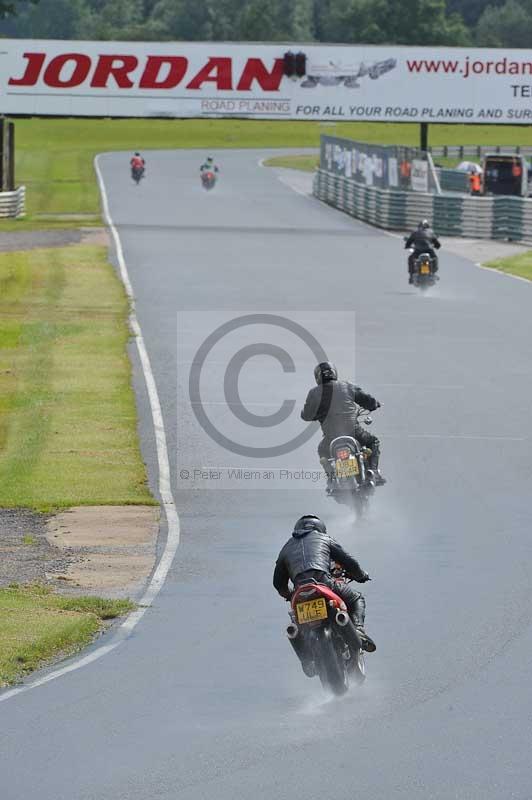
13,204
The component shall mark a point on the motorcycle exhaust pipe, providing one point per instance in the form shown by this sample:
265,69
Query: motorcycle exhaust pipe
350,632
292,631
297,641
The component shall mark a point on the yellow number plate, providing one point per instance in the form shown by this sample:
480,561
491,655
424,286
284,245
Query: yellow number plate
311,610
425,269
347,468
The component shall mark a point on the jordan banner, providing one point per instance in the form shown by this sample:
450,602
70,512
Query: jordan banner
319,82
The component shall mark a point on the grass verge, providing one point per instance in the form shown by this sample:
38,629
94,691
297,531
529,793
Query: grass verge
37,625
68,422
55,156
520,265
304,163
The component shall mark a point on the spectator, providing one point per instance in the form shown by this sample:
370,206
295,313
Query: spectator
475,182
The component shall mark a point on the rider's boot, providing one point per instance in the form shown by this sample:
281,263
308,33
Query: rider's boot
378,477
380,480
367,642
358,616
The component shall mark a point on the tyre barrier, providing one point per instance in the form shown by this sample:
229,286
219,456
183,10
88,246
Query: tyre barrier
451,215
13,204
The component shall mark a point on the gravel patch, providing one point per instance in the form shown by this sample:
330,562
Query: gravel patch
29,240
25,554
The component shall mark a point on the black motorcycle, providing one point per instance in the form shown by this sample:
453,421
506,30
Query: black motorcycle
324,636
424,275
351,480
423,269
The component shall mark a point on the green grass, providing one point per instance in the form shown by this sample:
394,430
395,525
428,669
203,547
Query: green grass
304,163
55,157
68,423
37,625
515,265
57,222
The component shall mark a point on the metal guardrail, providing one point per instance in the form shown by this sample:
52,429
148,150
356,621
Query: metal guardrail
496,217
13,204
478,151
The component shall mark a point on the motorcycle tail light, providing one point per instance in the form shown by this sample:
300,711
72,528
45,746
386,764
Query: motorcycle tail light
343,454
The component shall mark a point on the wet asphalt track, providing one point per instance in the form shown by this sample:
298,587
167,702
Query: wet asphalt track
206,699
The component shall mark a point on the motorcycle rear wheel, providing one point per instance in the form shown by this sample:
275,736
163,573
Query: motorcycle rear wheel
332,668
358,670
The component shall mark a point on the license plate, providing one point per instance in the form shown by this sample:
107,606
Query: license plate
425,269
311,610
347,468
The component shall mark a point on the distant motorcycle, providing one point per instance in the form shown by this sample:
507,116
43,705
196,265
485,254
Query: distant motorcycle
423,273
352,481
137,174
324,636
208,179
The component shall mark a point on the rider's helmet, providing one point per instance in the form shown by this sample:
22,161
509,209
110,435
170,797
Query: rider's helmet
210,160
137,154
309,523
325,372
424,225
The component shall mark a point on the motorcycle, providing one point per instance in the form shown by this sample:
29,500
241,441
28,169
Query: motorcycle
137,173
208,179
424,274
324,637
351,480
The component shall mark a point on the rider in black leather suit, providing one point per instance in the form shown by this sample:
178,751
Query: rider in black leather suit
333,404
307,555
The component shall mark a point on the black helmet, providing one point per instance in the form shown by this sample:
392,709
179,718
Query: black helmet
424,224
309,523
325,372
137,154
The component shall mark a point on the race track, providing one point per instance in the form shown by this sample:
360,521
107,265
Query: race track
206,699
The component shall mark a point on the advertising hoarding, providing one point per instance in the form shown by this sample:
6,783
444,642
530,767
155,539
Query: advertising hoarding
342,82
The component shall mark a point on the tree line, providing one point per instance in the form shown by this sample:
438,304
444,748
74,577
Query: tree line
492,23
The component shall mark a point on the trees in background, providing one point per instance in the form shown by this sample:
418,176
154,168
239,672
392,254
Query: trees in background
9,8
499,23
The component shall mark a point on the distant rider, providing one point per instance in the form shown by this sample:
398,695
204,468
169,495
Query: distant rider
307,557
333,404
137,162
209,166
423,240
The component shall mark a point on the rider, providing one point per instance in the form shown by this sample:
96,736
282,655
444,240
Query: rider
423,240
333,404
307,557
209,165
137,162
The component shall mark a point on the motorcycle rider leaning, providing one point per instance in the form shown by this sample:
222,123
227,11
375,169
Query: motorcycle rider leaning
333,404
307,557
422,240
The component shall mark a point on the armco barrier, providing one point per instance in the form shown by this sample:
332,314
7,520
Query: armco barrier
477,151
452,215
13,204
